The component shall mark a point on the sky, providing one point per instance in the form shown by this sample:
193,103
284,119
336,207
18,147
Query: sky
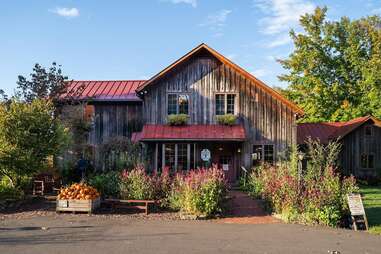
135,39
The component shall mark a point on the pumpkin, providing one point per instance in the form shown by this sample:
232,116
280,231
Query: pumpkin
78,191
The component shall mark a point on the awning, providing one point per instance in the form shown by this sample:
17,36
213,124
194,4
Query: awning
195,132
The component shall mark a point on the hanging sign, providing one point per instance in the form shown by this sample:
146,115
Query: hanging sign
205,154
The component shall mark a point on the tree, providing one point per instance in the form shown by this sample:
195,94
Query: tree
334,72
29,135
46,84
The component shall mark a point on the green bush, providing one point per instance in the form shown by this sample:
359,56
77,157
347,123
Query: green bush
9,192
178,119
137,184
108,184
228,119
200,192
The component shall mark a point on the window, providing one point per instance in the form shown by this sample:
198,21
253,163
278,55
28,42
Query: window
220,104
268,153
170,156
262,153
368,130
177,156
178,104
367,161
225,104
230,98
182,155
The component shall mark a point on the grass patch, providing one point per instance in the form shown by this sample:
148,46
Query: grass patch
372,204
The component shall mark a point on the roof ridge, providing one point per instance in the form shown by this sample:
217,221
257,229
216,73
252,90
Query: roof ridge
106,80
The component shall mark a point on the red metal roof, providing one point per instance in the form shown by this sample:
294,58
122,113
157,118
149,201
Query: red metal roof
213,132
113,90
327,131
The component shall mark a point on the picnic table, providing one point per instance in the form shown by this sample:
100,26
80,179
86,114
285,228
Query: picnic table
145,204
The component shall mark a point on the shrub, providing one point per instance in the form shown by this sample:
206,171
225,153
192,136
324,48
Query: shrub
178,119
228,119
137,184
316,197
107,184
9,192
199,192
29,135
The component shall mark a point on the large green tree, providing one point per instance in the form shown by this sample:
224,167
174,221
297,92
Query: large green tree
29,135
334,72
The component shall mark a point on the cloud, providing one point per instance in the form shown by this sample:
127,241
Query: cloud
281,15
376,11
193,3
259,73
216,21
66,12
279,41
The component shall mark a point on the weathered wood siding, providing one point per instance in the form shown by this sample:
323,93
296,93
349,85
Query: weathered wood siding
111,120
266,119
357,143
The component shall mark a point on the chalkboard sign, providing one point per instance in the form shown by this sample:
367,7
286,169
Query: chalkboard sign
357,209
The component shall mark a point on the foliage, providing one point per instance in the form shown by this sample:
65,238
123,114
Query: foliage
108,184
199,192
178,119
9,192
372,204
317,197
120,153
228,119
29,135
45,83
334,72
137,184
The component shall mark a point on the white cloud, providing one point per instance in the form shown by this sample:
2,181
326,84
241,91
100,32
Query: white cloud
66,12
376,11
279,41
281,15
193,3
216,21
259,73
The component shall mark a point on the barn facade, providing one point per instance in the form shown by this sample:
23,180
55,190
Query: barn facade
203,85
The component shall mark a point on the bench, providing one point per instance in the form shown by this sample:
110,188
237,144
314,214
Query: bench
115,203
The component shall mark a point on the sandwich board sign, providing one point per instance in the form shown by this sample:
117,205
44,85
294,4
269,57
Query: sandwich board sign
356,208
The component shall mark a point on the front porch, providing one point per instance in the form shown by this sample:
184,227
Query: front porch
182,148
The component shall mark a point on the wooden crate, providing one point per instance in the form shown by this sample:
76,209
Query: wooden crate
70,205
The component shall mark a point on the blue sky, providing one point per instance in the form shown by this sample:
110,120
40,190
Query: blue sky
135,39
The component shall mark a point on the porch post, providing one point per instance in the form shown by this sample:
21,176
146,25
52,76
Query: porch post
188,156
156,156
176,153
163,157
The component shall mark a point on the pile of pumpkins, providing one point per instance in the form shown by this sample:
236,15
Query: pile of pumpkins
78,191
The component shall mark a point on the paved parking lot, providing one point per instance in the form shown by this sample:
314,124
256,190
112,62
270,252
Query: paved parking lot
51,233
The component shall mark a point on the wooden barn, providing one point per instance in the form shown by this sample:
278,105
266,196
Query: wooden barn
361,149
202,84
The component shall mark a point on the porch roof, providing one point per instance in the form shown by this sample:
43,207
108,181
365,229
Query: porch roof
194,132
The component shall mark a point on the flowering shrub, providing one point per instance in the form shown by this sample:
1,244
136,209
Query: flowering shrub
137,184
199,192
316,197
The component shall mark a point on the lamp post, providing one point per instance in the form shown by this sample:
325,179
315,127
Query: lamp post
300,166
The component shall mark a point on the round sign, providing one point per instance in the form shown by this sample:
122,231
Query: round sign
205,154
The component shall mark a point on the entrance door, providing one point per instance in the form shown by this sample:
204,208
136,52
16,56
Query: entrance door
225,159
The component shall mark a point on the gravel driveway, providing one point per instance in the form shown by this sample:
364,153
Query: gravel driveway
67,233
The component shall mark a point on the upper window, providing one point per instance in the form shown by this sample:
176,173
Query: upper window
367,161
225,104
368,130
178,104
